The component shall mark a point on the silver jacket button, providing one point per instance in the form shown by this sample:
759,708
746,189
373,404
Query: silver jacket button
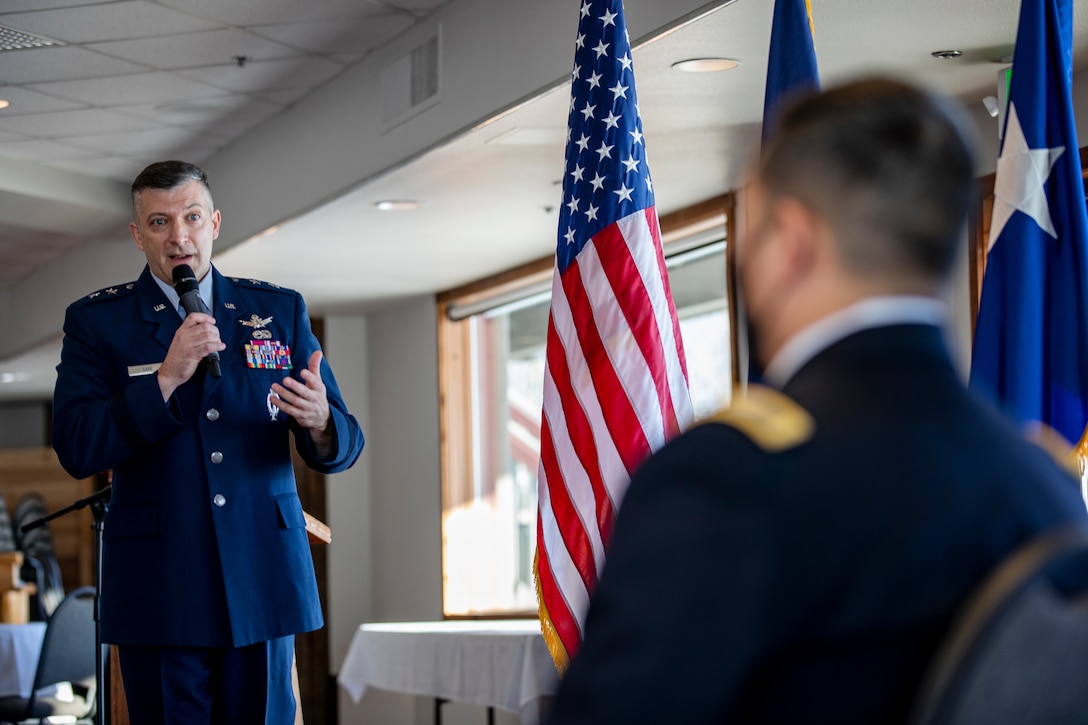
212,414
219,500
217,457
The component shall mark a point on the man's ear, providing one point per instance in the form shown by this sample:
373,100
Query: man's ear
800,233
135,231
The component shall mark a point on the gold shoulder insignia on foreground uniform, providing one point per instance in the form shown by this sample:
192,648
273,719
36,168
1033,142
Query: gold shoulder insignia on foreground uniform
1072,458
770,419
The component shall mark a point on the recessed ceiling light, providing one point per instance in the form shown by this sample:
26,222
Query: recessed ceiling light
13,377
4,103
398,205
946,54
705,65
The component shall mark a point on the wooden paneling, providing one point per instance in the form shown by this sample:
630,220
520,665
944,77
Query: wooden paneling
36,470
312,648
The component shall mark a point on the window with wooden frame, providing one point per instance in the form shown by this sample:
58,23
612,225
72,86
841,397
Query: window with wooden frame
491,365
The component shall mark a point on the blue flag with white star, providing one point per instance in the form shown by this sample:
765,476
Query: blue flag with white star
1031,338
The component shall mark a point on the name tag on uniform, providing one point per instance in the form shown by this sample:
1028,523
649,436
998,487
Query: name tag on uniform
268,354
135,371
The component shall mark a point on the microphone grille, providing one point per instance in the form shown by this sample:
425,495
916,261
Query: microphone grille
184,276
183,272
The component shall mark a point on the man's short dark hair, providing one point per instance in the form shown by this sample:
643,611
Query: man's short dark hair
888,166
167,175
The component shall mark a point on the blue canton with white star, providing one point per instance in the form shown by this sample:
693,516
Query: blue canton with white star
606,177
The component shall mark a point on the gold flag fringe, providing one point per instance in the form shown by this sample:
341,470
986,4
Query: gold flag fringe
547,627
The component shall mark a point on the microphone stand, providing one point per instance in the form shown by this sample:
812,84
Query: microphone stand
99,503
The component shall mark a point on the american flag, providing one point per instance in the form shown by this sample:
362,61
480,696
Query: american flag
615,382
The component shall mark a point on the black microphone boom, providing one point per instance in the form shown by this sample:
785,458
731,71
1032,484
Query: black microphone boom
188,289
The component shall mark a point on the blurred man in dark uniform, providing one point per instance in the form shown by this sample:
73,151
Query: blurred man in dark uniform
207,568
799,558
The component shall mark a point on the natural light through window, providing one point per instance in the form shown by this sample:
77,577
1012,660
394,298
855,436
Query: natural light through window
493,396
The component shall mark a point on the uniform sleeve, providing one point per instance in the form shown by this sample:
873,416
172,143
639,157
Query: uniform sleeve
349,436
683,607
98,421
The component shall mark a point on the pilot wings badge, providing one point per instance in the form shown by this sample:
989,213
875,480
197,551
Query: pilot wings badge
256,321
258,324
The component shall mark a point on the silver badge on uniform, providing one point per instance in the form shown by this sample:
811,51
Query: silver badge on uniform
273,410
256,321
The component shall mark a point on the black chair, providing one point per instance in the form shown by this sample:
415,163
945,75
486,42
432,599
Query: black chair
7,534
40,559
68,656
1018,652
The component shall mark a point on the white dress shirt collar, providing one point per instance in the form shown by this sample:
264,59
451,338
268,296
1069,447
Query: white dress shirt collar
205,289
868,313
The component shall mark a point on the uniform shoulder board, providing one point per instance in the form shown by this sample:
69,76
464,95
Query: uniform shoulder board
770,419
258,284
108,293
1072,458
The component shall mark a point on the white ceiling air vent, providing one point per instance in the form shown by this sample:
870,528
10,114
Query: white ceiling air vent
411,83
12,39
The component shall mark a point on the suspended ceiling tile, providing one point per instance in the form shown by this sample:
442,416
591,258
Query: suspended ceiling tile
6,137
150,142
418,7
331,37
60,63
208,114
346,58
106,21
24,101
250,12
71,123
13,6
198,150
130,90
15,238
193,50
41,150
268,76
118,168
282,97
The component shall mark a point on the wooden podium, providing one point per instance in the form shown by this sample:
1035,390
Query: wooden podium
318,533
14,592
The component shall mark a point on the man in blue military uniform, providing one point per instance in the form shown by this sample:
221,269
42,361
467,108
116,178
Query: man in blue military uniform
798,558
207,569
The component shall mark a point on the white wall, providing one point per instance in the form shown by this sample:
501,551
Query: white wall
406,497
386,558
348,507
23,425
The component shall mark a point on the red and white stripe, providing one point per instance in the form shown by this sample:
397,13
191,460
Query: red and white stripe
615,390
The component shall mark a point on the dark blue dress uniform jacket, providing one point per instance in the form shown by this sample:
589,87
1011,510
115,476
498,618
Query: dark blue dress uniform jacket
205,540
813,584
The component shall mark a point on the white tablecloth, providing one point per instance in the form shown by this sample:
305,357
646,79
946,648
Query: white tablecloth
503,664
20,646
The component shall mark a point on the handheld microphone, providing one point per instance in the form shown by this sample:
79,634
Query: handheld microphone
188,289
